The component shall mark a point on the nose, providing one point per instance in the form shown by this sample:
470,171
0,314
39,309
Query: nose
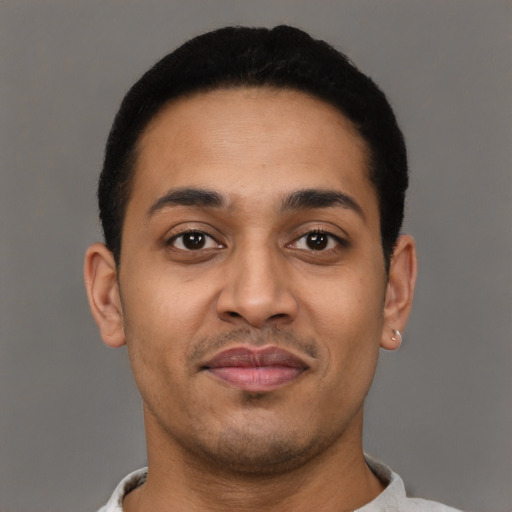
256,290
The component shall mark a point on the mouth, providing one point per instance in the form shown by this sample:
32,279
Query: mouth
256,369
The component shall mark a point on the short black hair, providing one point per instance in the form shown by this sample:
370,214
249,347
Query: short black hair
282,57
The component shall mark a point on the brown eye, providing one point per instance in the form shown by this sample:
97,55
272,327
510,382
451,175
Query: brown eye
193,241
317,241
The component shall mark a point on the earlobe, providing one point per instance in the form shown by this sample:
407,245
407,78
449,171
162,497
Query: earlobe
100,275
399,292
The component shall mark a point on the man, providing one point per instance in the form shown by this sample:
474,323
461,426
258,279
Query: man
251,199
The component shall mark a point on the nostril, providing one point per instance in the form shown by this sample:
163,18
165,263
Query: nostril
234,314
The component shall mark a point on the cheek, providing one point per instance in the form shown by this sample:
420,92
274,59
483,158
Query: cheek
164,306
159,322
349,304
347,315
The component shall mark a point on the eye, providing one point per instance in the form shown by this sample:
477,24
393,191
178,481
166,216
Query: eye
317,241
193,241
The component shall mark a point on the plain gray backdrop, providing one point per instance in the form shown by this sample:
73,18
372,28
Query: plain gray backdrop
440,410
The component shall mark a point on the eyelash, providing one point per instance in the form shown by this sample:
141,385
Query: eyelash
170,242
207,237
331,237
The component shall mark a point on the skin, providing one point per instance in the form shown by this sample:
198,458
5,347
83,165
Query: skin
257,281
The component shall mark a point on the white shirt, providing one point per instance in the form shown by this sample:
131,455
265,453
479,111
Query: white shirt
391,499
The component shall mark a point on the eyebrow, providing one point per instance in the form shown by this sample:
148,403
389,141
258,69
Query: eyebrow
299,200
316,198
198,197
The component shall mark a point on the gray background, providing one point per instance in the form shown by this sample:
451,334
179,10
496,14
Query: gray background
440,410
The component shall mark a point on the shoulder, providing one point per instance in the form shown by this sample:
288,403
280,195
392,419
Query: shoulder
394,498
126,485
419,505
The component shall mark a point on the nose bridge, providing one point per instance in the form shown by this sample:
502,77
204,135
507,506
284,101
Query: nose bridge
255,287
257,279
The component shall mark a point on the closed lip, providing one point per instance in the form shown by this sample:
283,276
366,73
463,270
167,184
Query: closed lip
256,369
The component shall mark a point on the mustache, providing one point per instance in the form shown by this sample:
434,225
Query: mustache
267,336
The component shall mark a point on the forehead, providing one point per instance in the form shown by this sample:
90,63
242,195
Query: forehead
251,143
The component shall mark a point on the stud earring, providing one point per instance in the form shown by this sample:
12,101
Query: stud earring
397,336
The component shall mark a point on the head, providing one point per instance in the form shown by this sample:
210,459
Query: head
251,197
283,57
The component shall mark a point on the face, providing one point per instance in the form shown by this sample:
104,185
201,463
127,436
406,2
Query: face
252,279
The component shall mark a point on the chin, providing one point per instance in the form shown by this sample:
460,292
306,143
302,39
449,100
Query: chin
261,453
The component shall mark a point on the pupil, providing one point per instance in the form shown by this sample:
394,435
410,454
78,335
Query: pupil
317,241
193,240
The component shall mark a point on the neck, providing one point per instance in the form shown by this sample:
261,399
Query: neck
338,479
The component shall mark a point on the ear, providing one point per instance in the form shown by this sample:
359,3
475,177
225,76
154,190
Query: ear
399,292
100,274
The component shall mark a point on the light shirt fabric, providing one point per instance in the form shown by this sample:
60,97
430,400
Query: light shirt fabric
391,499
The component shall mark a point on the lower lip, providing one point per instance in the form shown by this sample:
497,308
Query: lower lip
257,379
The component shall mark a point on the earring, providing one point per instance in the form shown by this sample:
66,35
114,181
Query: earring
397,336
